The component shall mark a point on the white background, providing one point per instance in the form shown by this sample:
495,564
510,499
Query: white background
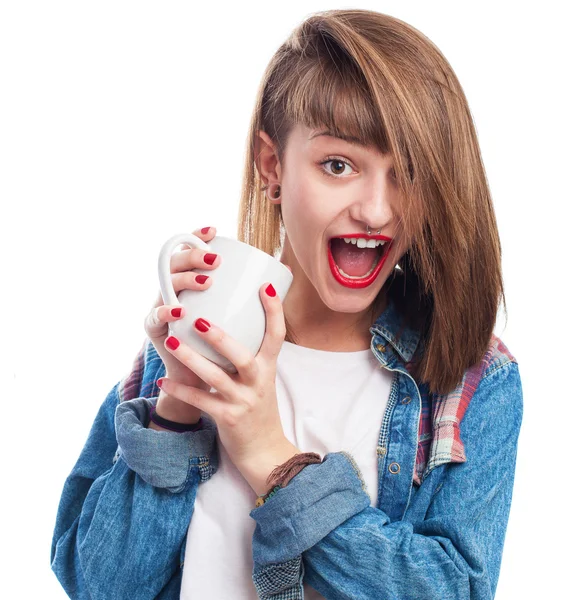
123,123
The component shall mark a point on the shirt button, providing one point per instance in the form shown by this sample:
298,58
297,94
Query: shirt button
406,400
394,468
380,347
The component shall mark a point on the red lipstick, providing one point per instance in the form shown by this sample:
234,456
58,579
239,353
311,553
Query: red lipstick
365,281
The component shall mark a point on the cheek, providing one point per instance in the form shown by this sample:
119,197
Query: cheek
311,205
397,252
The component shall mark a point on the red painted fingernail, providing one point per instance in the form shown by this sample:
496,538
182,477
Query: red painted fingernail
202,325
172,343
176,312
205,230
209,258
201,278
271,290
159,382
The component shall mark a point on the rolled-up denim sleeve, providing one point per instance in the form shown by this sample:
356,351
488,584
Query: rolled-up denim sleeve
125,508
161,458
322,530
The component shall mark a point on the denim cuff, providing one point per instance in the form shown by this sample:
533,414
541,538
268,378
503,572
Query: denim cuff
313,503
163,458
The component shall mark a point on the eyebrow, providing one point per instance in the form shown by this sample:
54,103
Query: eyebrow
346,138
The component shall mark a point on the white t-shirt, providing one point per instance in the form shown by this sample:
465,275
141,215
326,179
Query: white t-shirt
328,401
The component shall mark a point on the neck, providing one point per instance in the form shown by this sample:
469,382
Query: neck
312,324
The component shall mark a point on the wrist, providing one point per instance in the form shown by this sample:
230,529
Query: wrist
173,409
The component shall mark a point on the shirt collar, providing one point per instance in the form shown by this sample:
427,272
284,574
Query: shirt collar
391,326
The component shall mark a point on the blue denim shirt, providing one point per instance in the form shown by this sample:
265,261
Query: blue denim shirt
437,533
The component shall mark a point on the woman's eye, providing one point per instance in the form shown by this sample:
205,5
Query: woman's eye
336,168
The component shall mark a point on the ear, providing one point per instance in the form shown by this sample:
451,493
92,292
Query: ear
266,159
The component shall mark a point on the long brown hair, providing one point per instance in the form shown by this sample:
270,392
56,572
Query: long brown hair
377,78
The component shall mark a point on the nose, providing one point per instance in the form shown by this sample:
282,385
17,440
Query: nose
374,207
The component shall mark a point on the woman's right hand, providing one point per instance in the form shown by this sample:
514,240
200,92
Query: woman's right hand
156,327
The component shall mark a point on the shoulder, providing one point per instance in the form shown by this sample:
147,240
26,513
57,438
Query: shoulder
496,357
496,374
493,416
494,383
501,377
497,360
140,381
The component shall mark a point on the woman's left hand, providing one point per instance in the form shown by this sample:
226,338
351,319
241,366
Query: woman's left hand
244,406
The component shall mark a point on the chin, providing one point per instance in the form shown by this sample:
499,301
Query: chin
344,300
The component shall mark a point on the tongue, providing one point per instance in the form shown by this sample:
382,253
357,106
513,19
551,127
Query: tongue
354,261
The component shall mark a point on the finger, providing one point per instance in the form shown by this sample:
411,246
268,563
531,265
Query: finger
275,327
210,373
158,318
236,353
201,399
190,281
204,233
194,258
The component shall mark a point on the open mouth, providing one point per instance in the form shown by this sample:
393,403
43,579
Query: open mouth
356,262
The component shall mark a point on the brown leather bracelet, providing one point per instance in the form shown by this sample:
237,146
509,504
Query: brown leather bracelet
281,475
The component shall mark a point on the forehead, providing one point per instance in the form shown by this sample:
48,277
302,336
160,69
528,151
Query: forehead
316,136
326,133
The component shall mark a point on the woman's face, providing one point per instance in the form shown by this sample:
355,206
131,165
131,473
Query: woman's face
334,188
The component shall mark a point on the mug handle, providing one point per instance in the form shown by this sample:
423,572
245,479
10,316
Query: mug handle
164,262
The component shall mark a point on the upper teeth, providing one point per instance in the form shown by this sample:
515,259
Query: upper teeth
364,243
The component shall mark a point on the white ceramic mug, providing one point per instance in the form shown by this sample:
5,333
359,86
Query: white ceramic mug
232,301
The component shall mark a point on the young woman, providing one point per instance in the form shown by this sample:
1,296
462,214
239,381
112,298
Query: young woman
368,450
